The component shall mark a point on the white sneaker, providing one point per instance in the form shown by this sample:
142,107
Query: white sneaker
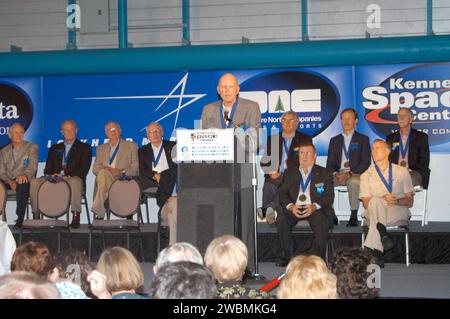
271,215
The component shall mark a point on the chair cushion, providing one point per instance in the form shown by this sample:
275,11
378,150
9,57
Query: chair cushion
117,223
150,191
44,223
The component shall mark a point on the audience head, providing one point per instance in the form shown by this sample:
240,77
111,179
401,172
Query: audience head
25,285
32,257
350,267
227,257
121,269
307,277
183,280
178,252
73,266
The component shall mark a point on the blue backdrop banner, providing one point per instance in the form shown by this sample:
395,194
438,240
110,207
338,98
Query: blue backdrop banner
176,100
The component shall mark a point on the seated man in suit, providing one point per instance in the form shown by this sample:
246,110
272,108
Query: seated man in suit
157,169
387,193
348,157
18,165
410,148
306,193
71,161
280,154
114,159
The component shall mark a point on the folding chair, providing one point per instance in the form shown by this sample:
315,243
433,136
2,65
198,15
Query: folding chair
421,212
401,228
123,201
53,202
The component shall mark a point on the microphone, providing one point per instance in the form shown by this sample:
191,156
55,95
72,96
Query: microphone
226,116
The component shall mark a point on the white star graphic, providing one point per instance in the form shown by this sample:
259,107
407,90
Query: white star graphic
192,98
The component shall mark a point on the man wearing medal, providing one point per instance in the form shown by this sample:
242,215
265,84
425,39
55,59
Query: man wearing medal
306,193
410,148
280,153
18,166
115,158
157,169
232,111
348,157
69,160
386,191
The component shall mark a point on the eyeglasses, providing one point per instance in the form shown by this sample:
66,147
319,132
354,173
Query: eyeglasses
155,131
288,121
111,129
307,154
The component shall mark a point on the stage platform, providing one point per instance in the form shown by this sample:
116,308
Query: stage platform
429,244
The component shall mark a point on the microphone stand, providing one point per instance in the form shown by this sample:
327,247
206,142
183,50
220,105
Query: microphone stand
256,276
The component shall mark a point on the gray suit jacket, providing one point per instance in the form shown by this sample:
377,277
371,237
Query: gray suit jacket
26,162
247,112
126,158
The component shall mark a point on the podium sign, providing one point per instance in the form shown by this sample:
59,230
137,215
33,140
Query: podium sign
213,145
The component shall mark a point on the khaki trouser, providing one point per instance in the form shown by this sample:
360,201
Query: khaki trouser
379,212
353,190
169,217
76,188
103,182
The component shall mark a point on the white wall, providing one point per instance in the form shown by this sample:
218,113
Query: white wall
41,24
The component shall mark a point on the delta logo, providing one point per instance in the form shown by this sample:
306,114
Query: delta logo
425,89
15,106
312,96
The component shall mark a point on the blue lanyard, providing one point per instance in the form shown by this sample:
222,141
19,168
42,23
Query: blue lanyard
233,109
111,159
156,160
388,185
304,187
346,151
65,156
404,150
286,154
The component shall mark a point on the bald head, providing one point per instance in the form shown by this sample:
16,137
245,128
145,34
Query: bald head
228,89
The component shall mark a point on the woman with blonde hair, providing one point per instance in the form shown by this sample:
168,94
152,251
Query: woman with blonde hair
307,277
122,271
227,257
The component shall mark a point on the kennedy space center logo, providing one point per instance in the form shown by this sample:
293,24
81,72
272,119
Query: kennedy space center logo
312,96
15,106
425,89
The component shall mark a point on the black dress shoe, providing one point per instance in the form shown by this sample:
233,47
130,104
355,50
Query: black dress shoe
387,242
352,223
18,224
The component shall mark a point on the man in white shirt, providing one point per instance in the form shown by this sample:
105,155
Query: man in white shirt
157,169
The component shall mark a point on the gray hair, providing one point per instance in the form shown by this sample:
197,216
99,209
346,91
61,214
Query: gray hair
290,113
179,252
155,123
115,123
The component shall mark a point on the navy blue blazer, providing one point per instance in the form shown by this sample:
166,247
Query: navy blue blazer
359,149
168,177
418,153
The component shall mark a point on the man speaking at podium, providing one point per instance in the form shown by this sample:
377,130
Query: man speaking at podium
242,114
